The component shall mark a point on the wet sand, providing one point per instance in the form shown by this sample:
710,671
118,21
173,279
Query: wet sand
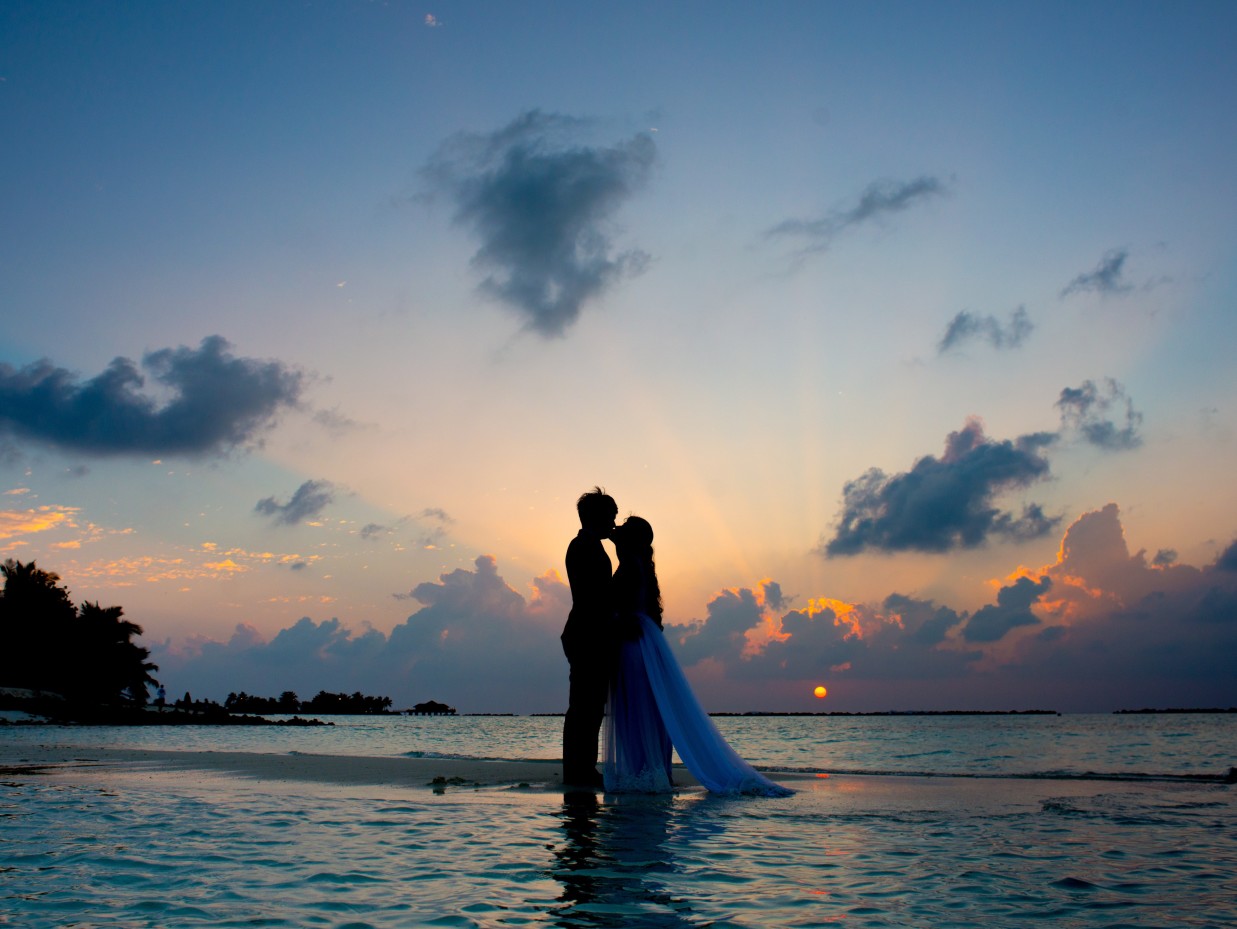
266,771
343,770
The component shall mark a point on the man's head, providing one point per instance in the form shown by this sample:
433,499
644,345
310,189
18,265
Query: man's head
597,511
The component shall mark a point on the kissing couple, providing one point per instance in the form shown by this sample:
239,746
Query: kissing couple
623,672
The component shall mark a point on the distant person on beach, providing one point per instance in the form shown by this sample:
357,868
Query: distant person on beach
651,705
588,637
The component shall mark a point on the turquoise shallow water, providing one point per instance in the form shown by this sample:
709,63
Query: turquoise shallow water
96,847
138,850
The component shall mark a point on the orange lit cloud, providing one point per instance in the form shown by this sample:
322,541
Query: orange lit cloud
15,523
227,566
1094,572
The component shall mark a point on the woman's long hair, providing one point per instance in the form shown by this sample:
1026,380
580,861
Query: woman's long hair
634,542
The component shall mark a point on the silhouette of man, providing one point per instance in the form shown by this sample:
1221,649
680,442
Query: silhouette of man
588,639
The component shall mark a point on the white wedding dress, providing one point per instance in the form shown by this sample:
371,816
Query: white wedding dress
652,707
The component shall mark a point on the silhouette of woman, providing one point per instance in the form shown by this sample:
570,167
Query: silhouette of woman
651,705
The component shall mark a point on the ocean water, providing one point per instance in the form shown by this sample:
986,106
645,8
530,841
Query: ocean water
1049,745
959,821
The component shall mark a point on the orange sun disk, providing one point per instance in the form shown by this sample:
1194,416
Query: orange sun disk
820,691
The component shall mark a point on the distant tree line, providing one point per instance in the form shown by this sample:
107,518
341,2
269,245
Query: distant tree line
84,653
357,704
87,655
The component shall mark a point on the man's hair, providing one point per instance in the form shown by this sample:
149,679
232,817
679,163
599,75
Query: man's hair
596,506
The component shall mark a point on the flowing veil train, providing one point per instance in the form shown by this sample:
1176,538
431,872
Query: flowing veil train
652,706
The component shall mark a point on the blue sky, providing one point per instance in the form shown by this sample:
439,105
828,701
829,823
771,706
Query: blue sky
868,308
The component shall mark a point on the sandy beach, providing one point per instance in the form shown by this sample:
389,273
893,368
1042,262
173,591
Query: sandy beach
343,770
394,775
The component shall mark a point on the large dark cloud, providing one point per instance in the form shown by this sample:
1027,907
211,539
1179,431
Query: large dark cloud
967,326
310,499
540,201
878,200
1106,278
1087,410
209,401
944,503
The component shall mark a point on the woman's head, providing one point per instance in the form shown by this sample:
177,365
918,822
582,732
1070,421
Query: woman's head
634,542
634,534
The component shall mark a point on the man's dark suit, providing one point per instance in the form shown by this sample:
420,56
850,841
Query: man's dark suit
588,643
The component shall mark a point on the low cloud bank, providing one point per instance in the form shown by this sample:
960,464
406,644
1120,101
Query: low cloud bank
1095,630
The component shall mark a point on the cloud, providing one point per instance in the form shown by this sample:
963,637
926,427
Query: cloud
210,402
1085,410
435,533
944,503
1097,629
336,423
729,616
15,523
476,643
966,326
878,200
1165,557
922,621
1228,559
1116,617
1107,278
310,499
1012,609
540,201
753,639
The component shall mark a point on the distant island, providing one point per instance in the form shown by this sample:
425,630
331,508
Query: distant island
79,664
1178,709
45,706
895,713
723,713
324,703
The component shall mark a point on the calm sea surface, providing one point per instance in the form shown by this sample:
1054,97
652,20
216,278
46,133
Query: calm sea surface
1095,821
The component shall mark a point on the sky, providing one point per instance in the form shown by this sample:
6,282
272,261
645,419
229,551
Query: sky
909,327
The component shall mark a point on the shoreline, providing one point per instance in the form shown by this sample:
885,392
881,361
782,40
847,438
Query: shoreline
131,772
441,774
342,770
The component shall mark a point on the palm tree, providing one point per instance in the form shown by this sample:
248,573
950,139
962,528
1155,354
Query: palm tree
35,616
87,654
114,669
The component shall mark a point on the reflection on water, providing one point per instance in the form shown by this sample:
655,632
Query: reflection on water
613,863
